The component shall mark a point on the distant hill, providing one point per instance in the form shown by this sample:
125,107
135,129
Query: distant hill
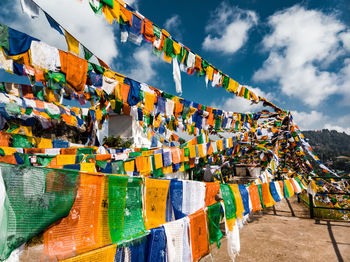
332,147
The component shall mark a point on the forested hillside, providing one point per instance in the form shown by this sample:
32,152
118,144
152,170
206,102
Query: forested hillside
332,147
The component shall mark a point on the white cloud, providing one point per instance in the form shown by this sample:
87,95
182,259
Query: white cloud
242,105
173,26
317,120
78,18
228,28
345,37
311,120
343,120
338,128
302,46
344,83
144,60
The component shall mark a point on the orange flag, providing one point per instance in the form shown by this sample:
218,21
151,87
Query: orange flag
254,197
199,234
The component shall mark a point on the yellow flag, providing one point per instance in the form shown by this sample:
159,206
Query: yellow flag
158,161
232,86
8,150
176,48
87,167
129,166
43,142
209,72
73,44
168,170
155,202
65,160
112,13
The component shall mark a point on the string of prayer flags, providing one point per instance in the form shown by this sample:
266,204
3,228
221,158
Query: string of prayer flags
125,216
136,27
71,64
132,25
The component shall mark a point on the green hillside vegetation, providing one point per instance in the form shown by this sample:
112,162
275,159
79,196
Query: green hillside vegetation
332,147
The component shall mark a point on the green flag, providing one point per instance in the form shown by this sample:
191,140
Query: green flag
214,217
32,199
125,208
87,53
229,201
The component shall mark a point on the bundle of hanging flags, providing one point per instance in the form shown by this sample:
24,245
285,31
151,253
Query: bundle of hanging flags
16,44
17,107
156,162
146,104
17,148
83,213
96,214
135,27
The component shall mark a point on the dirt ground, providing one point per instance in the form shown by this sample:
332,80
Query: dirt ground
276,235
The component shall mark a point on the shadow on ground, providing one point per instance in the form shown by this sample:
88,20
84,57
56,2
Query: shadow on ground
286,233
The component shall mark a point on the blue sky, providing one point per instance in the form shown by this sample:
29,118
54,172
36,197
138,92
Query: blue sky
296,53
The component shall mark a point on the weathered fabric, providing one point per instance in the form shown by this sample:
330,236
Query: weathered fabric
266,194
125,208
229,201
199,234
156,245
177,244
238,200
106,254
273,191
155,202
193,196
31,199
78,232
214,217
211,190
245,198
254,197
176,198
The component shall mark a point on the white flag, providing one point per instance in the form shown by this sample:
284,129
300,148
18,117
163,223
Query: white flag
30,8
